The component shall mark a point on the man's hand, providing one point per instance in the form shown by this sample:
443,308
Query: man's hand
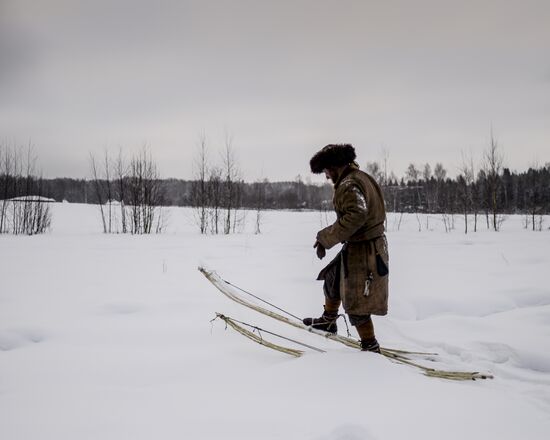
321,251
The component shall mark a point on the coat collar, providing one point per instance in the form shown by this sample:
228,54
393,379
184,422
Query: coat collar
347,171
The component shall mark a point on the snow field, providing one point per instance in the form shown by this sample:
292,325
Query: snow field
109,337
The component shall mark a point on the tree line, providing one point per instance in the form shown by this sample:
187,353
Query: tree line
480,195
130,193
179,192
488,192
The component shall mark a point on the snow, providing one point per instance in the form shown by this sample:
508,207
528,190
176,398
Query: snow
31,199
109,336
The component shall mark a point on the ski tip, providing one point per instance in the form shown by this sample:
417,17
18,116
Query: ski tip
204,270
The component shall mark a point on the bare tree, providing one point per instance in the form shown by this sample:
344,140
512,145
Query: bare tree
145,194
385,160
492,165
534,190
427,172
16,174
385,182
374,169
259,202
440,173
215,197
199,189
5,183
121,172
239,214
465,181
137,187
428,193
98,190
230,183
413,174
108,191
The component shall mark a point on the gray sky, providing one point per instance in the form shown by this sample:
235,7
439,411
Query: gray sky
422,79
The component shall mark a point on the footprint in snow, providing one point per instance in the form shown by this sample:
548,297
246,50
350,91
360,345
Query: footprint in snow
13,339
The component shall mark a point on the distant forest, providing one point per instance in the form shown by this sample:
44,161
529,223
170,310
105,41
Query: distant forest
177,192
218,192
522,192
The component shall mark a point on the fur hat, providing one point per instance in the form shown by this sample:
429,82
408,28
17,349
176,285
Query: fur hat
333,155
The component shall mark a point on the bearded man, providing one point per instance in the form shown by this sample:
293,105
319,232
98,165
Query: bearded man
357,277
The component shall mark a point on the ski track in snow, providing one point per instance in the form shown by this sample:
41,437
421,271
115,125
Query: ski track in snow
110,336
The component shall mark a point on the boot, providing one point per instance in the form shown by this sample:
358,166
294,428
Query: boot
366,333
326,322
370,345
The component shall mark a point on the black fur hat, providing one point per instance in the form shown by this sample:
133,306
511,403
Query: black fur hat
333,155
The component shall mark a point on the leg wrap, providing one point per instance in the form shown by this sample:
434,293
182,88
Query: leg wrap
332,305
366,329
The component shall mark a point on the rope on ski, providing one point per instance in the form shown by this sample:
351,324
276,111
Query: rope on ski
257,338
260,330
346,321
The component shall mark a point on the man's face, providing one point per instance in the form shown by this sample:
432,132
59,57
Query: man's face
330,173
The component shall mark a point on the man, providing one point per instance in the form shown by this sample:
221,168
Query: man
358,277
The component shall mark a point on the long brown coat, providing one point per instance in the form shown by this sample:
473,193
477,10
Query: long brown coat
360,211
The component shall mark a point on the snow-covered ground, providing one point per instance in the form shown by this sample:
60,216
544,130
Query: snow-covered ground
109,337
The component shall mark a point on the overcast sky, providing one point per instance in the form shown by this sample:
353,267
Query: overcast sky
423,79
